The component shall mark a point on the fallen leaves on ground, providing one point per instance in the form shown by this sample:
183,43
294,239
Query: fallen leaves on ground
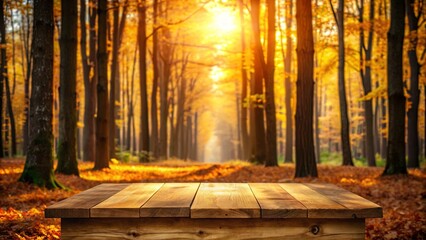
403,198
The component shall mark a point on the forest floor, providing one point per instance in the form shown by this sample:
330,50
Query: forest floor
403,198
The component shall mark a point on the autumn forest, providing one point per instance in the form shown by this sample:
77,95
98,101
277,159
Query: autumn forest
298,85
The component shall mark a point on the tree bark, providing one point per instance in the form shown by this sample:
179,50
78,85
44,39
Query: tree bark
395,163
67,158
102,133
4,77
288,86
414,91
38,167
90,79
365,72
344,118
271,119
305,153
144,124
258,146
154,110
26,32
244,87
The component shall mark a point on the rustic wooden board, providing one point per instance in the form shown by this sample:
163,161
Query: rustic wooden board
78,206
275,202
190,228
361,207
127,202
318,205
172,200
225,200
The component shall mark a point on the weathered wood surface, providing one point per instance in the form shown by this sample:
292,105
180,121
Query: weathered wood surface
275,202
225,200
127,202
172,200
318,205
361,207
78,206
215,200
190,228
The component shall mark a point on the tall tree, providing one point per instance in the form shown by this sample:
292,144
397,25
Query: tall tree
90,77
305,154
155,73
26,68
38,167
365,73
118,24
4,78
144,125
395,162
414,91
67,158
258,142
102,133
244,87
344,118
271,120
287,82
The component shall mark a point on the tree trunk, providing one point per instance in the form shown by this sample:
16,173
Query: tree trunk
166,57
38,167
365,72
113,79
144,125
413,111
28,56
244,87
130,101
90,79
271,120
288,86
395,163
154,110
305,153
102,133
344,118
67,158
258,150
4,77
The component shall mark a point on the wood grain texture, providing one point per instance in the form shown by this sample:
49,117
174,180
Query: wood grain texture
361,207
318,205
127,202
172,200
225,200
78,206
190,228
275,202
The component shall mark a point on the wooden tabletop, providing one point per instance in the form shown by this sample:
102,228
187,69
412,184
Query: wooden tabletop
215,200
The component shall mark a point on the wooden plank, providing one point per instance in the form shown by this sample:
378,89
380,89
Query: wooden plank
172,200
190,228
318,205
275,202
225,200
127,202
361,207
78,206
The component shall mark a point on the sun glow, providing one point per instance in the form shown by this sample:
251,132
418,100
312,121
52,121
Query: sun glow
224,21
